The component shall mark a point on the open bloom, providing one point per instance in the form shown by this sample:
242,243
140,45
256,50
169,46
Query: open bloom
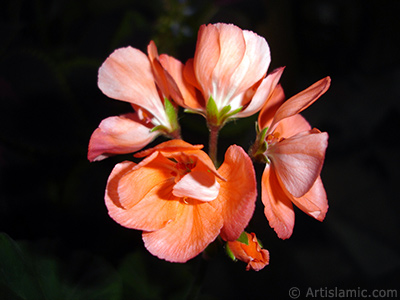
131,76
226,77
294,154
179,200
248,249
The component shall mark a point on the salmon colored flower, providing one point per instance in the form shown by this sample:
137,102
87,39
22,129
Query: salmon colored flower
248,249
179,200
226,77
131,76
294,154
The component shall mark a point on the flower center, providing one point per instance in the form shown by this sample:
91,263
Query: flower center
182,168
273,138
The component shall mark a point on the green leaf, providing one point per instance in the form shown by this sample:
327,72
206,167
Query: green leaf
26,273
17,273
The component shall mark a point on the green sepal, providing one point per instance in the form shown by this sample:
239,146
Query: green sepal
212,111
171,113
263,134
190,111
243,238
260,243
257,128
161,128
237,110
224,111
260,146
229,252
218,118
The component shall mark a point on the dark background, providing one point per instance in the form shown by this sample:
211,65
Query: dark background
58,241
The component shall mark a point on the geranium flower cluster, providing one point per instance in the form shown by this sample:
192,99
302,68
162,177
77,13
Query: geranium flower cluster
177,195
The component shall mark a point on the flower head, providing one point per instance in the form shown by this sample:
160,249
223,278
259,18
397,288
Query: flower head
226,77
130,75
247,248
179,200
294,154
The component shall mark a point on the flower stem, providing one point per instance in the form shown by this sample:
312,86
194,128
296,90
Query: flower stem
176,134
213,142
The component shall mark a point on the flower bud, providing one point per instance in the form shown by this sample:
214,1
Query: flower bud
247,248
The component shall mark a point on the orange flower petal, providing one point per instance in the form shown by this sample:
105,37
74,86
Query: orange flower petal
238,193
196,225
169,146
206,162
277,206
142,180
301,101
176,147
298,160
118,135
134,189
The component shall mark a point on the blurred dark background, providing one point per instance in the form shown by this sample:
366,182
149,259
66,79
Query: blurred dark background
57,240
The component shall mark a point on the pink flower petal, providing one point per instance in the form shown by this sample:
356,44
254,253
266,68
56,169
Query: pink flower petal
127,75
190,76
232,50
187,91
254,64
201,185
163,80
314,202
118,135
298,160
301,101
270,107
262,94
291,126
206,57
